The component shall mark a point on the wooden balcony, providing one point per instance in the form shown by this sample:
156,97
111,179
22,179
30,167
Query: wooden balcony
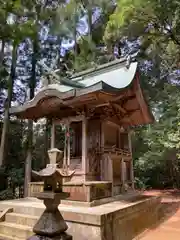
114,150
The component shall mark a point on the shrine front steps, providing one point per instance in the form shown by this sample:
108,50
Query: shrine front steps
17,226
15,231
109,221
21,219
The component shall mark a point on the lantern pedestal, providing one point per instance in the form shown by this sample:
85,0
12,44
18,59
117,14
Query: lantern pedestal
51,224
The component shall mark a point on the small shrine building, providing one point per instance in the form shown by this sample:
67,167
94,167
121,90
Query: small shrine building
97,117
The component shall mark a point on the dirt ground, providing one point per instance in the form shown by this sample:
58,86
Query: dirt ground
168,228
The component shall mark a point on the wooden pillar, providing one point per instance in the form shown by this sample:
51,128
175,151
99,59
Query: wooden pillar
52,135
102,165
68,145
65,145
131,160
84,146
122,173
74,141
111,172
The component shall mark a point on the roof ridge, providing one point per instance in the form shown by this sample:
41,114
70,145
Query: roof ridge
99,67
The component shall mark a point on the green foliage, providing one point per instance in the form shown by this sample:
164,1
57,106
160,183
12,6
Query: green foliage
156,147
7,194
140,183
155,23
66,19
12,178
16,176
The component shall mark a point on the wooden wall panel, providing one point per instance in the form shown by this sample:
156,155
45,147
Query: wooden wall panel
94,144
110,135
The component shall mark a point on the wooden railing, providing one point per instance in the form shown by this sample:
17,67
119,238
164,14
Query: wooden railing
4,212
115,150
35,187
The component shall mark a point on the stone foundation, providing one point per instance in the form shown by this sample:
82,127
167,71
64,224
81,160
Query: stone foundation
118,220
118,223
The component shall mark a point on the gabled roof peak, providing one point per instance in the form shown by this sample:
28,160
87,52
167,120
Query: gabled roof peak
124,62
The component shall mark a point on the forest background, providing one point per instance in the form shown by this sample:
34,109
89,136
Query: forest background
39,36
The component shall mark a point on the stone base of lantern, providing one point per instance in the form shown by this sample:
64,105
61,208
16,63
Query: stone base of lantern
63,236
51,224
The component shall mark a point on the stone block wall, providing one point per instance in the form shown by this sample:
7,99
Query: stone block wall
118,220
113,222
124,224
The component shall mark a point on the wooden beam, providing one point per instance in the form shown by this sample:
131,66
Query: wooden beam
79,100
141,101
113,106
128,117
116,98
115,112
122,97
69,120
125,111
112,122
108,102
121,109
102,105
125,100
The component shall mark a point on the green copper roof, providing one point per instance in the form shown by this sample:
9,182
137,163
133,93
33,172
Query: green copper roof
113,76
116,75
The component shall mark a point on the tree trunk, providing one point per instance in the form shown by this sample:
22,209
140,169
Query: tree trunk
90,25
28,161
32,85
2,52
5,130
75,33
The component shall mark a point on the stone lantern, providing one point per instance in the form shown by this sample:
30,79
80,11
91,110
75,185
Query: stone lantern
51,224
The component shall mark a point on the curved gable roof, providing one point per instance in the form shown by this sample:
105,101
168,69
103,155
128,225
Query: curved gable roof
111,77
111,81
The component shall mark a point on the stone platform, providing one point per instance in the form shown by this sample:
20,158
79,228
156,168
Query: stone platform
122,219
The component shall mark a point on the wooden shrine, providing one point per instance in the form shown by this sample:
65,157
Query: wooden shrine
96,117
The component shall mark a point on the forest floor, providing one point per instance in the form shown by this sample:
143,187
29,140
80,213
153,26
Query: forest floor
169,226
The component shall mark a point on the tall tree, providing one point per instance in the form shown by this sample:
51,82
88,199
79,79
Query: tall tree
3,147
41,14
154,25
15,29
37,10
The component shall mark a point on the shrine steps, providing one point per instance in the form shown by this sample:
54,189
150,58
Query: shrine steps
123,218
15,231
17,226
4,237
21,219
